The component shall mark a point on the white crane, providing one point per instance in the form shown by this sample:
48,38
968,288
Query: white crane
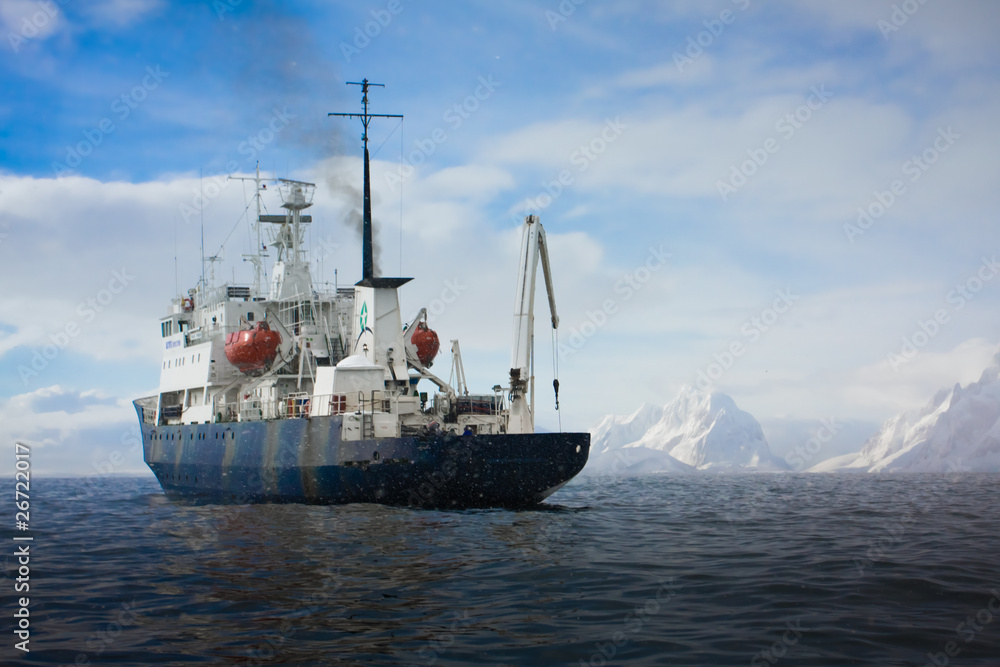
522,367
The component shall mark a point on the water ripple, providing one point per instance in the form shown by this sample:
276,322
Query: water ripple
679,570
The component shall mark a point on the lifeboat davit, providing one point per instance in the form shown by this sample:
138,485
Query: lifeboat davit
252,350
426,341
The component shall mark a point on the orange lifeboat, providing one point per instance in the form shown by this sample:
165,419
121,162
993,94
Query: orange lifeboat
426,341
252,350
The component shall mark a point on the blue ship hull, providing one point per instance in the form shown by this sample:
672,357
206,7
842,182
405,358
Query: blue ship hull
305,461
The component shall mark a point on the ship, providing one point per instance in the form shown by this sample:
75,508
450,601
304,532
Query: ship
290,390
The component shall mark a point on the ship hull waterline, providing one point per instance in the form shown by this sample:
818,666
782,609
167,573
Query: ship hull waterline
304,461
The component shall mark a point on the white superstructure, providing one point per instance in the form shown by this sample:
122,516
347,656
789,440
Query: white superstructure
343,351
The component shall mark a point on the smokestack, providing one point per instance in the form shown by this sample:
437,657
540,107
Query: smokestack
367,263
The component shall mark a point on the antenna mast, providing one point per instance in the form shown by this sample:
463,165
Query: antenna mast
367,262
257,257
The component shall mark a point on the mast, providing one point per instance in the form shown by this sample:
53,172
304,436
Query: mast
378,326
257,258
367,261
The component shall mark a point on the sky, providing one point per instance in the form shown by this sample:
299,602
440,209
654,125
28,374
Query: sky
794,203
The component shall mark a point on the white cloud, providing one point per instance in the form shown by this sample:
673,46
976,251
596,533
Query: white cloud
52,415
25,20
881,387
954,35
120,13
668,73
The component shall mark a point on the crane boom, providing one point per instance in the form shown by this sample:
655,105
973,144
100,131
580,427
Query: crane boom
522,395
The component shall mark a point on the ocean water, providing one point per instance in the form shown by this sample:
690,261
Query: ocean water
657,570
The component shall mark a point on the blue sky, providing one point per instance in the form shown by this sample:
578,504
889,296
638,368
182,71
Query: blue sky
740,138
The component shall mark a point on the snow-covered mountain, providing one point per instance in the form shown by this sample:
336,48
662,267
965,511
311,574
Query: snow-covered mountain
958,430
695,431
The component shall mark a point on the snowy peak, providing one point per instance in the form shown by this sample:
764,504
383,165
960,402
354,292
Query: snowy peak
958,430
615,430
697,430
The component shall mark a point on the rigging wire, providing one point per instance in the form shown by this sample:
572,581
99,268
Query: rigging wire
201,198
238,220
247,205
177,280
388,137
400,196
399,126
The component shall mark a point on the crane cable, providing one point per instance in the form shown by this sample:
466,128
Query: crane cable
555,371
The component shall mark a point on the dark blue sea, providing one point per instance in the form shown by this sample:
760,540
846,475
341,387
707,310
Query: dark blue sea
658,570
